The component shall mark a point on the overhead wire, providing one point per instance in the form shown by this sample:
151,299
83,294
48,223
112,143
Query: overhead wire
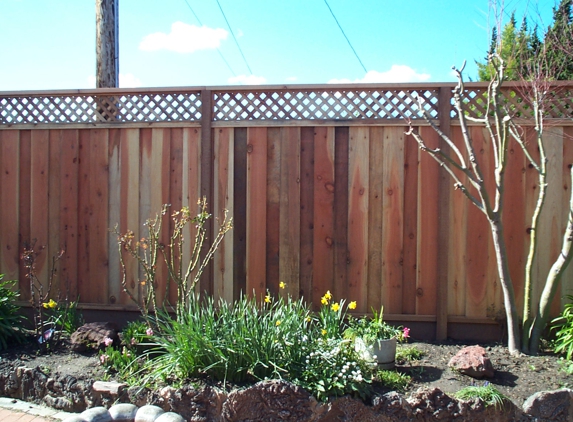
343,33
218,49
235,38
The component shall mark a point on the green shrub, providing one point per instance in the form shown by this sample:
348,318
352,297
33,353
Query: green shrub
490,395
564,335
393,380
10,319
408,354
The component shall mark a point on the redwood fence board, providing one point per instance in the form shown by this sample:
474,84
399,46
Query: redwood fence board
326,190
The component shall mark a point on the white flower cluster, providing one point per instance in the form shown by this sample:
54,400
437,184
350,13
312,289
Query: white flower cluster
349,374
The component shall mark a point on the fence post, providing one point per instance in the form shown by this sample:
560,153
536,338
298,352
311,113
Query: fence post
206,282
444,119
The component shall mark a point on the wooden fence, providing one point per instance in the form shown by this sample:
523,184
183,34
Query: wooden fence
326,190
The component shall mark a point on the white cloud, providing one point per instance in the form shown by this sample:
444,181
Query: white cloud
247,80
397,73
127,80
184,38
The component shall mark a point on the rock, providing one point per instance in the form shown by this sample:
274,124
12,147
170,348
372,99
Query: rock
96,414
348,409
392,404
60,403
275,400
194,405
93,335
472,361
123,412
556,405
169,417
111,388
148,413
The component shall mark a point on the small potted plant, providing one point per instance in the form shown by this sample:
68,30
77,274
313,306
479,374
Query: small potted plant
376,340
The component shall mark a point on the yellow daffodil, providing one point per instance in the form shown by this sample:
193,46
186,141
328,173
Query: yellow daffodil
323,331
324,300
335,307
307,319
278,323
352,305
282,284
328,295
268,299
51,304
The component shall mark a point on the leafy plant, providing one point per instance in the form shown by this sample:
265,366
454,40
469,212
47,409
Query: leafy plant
563,342
135,333
373,329
408,354
63,316
490,395
121,362
10,319
393,380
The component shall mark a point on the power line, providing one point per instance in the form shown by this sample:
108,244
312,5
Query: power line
235,38
218,50
343,33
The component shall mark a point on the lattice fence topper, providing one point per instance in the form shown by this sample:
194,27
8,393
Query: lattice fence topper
556,104
327,104
67,109
265,104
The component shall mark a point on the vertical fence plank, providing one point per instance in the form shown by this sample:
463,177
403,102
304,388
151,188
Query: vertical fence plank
54,245
83,214
459,204
69,211
98,219
358,187
567,278
256,252
24,187
551,223
393,219
341,176
191,187
9,200
239,212
376,219
410,224
274,152
478,235
131,212
175,198
223,193
324,229
427,277
160,161
289,220
115,182
306,211
39,191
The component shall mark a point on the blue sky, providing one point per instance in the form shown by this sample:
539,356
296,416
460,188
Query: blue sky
50,44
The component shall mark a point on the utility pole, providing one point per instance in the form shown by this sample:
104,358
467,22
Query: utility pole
107,44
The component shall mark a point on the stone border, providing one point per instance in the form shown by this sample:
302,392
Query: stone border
265,401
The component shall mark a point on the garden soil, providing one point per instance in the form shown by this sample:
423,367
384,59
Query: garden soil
516,377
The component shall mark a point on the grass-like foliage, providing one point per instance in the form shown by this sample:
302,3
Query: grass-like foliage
10,318
394,380
408,354
564,330
490,395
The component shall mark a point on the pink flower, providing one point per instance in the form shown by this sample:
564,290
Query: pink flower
133,342
406,332
107,341
149,331
103,359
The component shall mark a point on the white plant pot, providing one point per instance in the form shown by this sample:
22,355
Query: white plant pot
382,351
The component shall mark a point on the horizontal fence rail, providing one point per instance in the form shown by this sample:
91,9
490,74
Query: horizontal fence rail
326,189
265,104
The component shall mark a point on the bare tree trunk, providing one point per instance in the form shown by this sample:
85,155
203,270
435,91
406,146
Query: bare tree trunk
552,282
507,286
107,47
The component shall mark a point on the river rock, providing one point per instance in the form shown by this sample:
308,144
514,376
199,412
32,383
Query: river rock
556,405
472,361
148,413
123,412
